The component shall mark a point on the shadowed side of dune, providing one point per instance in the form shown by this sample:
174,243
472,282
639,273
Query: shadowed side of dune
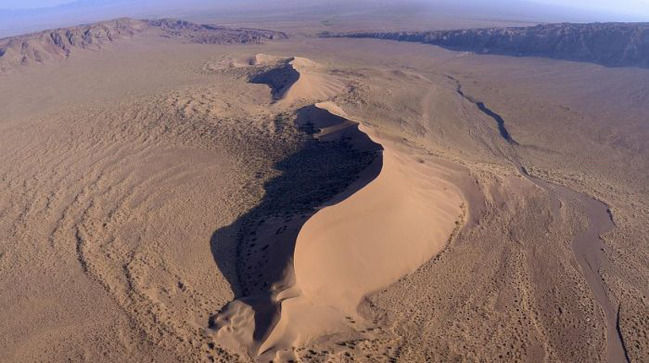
323,169
279,79
364,242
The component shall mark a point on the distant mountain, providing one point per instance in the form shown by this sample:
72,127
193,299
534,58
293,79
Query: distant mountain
19,21
60,43
609,44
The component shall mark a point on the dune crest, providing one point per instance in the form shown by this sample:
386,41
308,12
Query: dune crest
345,251
294,81
363,240
348,250
312,85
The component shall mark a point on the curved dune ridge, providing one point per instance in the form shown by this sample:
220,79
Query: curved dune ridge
365,239
312,83
294,79
382,232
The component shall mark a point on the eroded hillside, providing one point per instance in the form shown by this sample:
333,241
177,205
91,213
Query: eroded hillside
609,44
60,43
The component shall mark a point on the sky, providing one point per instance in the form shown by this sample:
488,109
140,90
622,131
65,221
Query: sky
630,7
30,4
618,6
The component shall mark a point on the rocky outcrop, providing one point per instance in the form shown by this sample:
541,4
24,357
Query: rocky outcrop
60,43
609,44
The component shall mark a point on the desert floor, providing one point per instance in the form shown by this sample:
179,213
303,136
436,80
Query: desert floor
322,200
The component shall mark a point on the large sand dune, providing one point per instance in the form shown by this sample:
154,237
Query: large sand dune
382,232
375,233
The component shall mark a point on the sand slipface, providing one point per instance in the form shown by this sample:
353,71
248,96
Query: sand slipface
345,251
382,232
293,81
312,83
398,214
377,235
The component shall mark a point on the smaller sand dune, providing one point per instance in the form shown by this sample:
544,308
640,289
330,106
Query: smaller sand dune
293,81
279,78
312,85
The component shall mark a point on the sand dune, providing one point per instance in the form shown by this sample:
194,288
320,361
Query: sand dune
364,243
312,85
382,232
360,243
293,81
369,240
249,324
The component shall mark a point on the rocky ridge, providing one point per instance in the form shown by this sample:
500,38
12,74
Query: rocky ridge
60,43
608,44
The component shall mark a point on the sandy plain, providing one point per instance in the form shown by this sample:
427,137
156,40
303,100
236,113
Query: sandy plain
158,204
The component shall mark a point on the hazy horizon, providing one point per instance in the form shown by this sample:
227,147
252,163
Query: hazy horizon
17,17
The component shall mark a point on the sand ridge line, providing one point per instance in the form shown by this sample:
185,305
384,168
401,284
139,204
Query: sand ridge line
365,242
304,275
347,160
293,80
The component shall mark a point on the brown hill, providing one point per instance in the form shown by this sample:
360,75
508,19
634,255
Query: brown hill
60,43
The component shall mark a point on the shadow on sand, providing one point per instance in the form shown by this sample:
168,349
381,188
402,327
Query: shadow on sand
279,79
255,253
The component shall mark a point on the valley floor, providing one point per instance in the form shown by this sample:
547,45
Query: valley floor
173,201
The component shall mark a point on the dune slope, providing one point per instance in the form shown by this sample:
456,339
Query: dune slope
398,214
369,240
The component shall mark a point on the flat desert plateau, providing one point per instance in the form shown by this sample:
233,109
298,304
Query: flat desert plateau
175,194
